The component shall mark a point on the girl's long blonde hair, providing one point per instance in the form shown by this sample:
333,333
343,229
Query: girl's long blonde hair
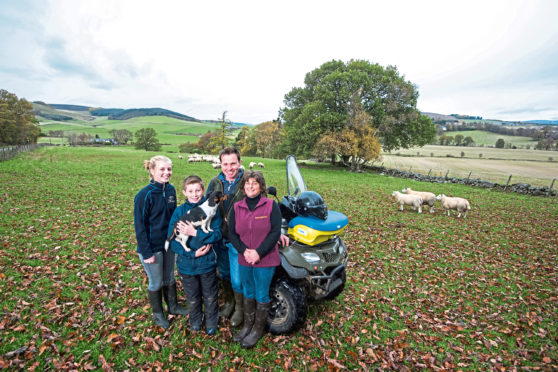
150,164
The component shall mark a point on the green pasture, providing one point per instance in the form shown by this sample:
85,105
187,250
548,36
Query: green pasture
169,130
485,138
424,291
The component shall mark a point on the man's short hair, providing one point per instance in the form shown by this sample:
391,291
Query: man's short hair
228,151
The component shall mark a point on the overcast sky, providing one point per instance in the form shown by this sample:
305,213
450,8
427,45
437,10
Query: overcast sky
497,59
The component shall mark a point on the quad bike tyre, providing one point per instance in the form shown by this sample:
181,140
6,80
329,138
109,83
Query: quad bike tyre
288,306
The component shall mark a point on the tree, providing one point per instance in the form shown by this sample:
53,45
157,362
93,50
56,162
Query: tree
321,106
18,125
356,143
241,141
121,135
266,138
500,143
146,139
468,141
458,139
220,141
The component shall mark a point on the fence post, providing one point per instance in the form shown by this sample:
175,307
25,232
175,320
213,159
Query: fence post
550,188
469,175
507,183
446,177
430,170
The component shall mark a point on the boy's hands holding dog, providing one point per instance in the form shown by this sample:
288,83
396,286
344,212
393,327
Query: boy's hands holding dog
203,250
186,228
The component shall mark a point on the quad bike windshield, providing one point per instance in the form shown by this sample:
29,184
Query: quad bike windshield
295,182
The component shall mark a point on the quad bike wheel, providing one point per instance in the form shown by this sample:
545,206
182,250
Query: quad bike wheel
288,306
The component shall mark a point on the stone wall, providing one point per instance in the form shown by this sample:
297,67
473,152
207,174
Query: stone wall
521,188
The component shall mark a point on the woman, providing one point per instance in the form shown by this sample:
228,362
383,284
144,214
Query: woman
254,230
153,208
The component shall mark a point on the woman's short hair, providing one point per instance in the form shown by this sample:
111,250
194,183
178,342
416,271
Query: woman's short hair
258,176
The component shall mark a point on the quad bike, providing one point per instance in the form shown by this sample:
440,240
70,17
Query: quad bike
313,264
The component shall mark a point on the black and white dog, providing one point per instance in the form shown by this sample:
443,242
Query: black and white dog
199,216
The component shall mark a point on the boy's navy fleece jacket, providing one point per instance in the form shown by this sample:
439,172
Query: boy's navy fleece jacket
187,262
153,208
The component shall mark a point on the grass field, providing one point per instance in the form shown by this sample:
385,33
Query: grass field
169,130
535,167
424,291
486,138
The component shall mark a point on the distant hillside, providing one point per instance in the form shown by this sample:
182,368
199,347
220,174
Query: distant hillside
541,122
70,107
63,112
121,114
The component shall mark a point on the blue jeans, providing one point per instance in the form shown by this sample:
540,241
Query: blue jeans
160,273
223,265
234,269
256,282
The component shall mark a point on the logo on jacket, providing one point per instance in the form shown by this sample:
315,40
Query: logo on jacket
171,199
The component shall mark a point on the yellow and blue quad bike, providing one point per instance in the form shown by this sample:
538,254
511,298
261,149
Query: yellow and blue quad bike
313,265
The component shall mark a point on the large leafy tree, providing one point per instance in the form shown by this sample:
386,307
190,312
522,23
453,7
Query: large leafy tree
146,139
18,125
322,106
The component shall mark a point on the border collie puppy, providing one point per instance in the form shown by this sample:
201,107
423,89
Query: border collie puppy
199,216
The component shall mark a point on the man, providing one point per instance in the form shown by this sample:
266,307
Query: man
227,181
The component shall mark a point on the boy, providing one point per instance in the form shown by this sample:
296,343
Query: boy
197,268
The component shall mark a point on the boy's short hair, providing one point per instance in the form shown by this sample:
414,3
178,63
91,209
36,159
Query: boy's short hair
191,180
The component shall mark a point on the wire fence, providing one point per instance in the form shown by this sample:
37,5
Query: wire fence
8,152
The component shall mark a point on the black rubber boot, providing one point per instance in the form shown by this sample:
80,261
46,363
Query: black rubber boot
249,317
171,300
258,328
238,315
156,302
226,310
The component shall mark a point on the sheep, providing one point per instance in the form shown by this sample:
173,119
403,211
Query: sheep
427,197
180,157
252,164
216,165
415,201
261,165
459,204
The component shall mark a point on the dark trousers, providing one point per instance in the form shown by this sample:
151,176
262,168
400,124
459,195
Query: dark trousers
198,288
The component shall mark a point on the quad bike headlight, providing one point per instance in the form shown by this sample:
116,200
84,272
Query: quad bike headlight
311,257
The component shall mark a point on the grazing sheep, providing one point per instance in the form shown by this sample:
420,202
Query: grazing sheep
252,164
261,165
180,157
216,165
459,204
415,201
427,197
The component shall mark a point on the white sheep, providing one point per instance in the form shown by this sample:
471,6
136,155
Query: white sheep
459,204
261,165
415,201
427,197
216,165
252,164
180,157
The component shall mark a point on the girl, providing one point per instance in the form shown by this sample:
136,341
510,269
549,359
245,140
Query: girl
153,208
